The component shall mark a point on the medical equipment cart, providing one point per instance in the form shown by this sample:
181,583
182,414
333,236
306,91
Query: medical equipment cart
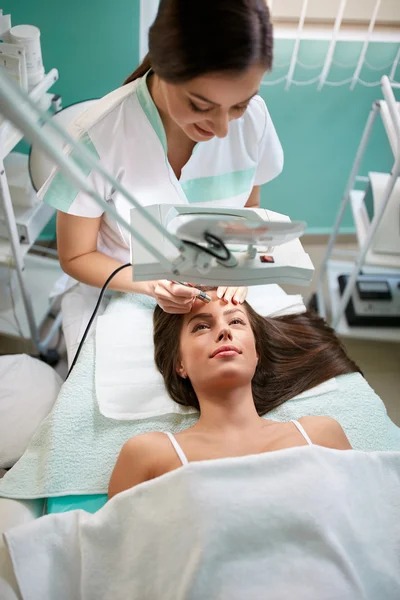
365,260
36,274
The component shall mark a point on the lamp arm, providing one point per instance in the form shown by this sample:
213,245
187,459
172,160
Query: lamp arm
17,107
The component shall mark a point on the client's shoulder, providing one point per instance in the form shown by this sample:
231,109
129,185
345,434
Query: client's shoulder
144,442
137,462
325,431
148,448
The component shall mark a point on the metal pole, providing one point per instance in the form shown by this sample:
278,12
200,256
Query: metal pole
332,46
20,110
394,66
345,199
387,89
365,46
25,118
45,342
295,53
5,199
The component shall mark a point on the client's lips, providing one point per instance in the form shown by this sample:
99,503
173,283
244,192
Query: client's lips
226,351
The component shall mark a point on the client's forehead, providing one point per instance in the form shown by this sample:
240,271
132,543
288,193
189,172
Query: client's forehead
200,306
215,307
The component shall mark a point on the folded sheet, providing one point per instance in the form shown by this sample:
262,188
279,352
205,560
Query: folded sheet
309,523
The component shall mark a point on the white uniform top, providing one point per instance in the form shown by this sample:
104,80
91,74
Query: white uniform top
125,132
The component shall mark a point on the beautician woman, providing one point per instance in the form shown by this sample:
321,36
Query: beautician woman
188,126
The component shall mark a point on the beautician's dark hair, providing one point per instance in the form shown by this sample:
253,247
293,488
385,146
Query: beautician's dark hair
190,38
297,352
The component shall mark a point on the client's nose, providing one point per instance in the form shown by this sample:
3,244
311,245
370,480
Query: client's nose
225,334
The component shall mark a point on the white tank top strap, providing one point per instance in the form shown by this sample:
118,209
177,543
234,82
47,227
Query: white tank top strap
177,448
302,431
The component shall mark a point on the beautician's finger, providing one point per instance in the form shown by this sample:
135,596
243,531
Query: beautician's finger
177,309
229,293
221,291
183,291
172,292
172,298
240,295
169,305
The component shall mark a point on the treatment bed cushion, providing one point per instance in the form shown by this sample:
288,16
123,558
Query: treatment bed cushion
89,503
28,391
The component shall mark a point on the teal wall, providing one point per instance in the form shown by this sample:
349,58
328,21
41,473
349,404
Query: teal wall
320,131
94,45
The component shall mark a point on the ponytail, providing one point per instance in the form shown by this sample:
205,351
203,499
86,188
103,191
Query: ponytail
239,35
140,71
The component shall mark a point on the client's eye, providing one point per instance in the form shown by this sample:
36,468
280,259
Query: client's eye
200,326
237,321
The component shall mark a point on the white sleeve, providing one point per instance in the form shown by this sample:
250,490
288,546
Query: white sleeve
270,156
62,194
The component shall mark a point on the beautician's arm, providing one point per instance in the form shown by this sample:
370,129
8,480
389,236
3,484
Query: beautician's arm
254,198
79,257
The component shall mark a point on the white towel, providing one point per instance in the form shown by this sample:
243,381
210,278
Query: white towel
308,523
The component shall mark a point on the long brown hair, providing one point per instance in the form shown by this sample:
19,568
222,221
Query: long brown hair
296,353
190,38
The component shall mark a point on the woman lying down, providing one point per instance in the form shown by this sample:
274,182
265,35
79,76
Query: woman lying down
235,366
237,506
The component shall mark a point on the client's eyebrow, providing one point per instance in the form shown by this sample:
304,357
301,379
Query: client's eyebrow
230,311
199,97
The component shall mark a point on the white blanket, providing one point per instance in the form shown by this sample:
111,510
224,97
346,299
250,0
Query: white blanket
305,523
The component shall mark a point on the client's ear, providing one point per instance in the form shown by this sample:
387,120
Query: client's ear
181,371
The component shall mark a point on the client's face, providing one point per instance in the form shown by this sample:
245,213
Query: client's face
217,345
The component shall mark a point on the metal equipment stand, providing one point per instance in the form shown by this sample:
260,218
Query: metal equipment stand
389,110
14,251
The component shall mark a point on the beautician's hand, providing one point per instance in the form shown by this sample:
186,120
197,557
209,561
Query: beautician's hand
173,297
236,295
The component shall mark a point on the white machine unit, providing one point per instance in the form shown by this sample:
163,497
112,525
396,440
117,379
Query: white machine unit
375,301
387,236
264,245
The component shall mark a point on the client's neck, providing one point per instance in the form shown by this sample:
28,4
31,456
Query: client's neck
227,409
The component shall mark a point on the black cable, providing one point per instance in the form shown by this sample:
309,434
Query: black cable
210,238
96,308
215,242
